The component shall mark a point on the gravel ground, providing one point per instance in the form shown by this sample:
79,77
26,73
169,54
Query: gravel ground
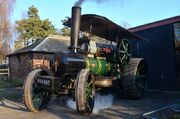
12,107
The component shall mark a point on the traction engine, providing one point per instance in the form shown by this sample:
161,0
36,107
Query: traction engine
89,65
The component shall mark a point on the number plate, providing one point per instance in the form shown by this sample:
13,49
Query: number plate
44,81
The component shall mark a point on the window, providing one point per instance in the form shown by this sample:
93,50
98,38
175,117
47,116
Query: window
19,59
177,35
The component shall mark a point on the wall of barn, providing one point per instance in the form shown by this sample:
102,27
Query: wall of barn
19,66
158,50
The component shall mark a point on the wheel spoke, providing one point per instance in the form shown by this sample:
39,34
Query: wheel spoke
124,47
88,105
88,91
129,55
37,101
89,83
127,45
123,58
121,51
140,68
141,86
140,76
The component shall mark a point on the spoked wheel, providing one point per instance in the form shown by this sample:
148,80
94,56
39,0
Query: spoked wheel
37,90
134,79
123,52
85,92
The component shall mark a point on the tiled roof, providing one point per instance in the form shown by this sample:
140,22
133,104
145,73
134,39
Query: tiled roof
50,44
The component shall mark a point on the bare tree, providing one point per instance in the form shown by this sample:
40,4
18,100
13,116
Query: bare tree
6,7
125,24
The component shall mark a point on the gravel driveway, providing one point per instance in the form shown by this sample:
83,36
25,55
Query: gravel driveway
12,107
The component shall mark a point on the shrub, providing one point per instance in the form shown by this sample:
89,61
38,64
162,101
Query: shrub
6,83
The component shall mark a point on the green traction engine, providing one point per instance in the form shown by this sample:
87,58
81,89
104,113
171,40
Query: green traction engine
90,65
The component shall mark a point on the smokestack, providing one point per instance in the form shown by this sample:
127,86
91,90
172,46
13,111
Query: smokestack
75,25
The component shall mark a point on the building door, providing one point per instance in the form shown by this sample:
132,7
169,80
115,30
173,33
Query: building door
177,50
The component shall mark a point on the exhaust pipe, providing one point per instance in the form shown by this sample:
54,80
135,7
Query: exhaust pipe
75,26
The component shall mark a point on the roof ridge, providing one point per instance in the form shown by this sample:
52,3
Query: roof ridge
37,46
156,24
58,37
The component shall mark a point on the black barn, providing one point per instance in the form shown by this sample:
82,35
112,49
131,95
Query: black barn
161,48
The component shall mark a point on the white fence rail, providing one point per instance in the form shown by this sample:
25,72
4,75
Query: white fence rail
4,71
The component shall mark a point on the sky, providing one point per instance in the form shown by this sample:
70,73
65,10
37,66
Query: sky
134,12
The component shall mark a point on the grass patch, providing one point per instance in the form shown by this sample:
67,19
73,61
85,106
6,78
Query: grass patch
177,116
6,83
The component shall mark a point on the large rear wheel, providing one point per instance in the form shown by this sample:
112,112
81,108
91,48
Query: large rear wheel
134,80
85,92
37,90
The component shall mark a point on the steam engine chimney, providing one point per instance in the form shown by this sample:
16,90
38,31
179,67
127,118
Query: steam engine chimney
75,25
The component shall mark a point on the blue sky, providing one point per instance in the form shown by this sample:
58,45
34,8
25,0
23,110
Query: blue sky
135,12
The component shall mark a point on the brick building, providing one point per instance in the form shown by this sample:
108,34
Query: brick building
38,54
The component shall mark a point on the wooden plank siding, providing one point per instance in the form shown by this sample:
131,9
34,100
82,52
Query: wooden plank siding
40,62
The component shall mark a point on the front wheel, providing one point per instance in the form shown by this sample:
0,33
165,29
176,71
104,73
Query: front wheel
37,90
85,92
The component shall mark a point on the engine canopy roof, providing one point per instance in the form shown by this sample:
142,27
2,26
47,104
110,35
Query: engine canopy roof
103,27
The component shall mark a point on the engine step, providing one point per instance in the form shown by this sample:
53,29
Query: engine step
102,82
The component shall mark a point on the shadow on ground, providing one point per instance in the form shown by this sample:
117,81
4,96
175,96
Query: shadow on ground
12,98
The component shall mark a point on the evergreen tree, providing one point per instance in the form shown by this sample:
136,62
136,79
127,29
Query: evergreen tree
32,28
66,31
